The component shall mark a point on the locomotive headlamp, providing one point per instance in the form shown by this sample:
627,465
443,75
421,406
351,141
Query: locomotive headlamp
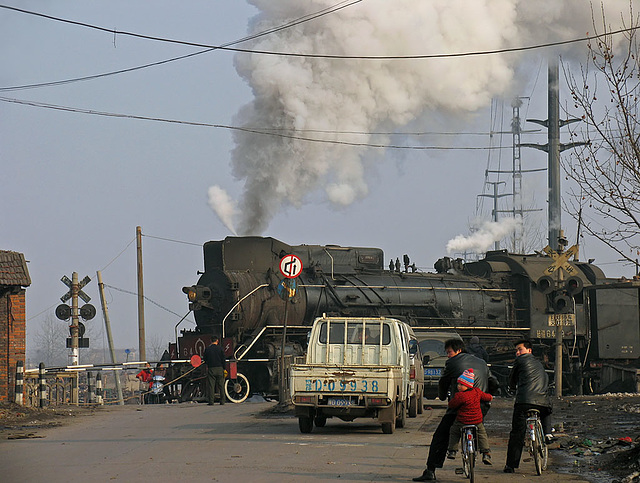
197,292
191,293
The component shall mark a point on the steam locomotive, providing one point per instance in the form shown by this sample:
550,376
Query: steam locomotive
243,298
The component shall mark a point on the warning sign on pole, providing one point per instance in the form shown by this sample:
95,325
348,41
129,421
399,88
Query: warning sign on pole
290,266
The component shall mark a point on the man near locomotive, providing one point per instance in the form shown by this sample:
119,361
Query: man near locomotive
458,361
214,358
531,383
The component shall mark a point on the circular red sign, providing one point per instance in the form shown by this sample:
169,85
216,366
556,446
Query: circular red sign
290,266
195,360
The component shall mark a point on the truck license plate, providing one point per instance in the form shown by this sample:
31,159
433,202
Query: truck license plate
339,401
432,371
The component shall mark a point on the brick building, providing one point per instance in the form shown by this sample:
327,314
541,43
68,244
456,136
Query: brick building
14,277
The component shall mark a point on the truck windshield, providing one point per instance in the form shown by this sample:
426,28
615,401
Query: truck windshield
356,332
432,345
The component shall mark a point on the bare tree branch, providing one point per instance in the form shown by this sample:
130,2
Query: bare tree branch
607,170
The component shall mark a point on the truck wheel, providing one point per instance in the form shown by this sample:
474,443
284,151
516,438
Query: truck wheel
320,421
305,423
389,416
413,406
420,405
402,417
387,428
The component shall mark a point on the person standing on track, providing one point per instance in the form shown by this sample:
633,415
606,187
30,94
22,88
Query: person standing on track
215,360
531,383
458,361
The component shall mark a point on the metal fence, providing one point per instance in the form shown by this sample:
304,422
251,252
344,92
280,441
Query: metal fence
60,389
82,388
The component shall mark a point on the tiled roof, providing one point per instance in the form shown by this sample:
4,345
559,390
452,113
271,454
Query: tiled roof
13,269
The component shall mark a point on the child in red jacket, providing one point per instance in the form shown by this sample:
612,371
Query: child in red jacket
467,402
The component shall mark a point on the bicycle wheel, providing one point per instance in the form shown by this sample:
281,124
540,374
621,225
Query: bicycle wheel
536,450
465,463
544,451
467,450
464,454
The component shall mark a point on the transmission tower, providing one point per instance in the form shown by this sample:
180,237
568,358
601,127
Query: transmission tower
517,209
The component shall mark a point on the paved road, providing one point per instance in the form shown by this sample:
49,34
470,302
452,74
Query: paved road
237,442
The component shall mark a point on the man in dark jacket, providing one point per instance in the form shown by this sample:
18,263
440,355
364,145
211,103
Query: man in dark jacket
531,383
215,360
457,362
477,350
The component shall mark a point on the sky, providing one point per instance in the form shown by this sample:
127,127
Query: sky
77,183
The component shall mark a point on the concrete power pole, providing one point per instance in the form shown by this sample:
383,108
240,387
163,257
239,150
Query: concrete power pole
553,149
553,132
141,337
107,324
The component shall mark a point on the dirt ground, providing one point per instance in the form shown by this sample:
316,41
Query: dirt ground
597,436
17,422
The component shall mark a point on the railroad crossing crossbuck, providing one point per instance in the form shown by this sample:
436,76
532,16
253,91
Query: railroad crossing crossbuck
560,260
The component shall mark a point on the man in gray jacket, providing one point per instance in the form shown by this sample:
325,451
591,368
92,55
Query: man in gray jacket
458,361
531,383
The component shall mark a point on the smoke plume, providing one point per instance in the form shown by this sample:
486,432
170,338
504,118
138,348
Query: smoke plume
311,98
223,206
487,233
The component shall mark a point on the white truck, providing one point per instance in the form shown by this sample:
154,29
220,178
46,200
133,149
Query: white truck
355,368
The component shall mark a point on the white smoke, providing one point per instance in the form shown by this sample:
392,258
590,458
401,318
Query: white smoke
486,234
222,204
295,95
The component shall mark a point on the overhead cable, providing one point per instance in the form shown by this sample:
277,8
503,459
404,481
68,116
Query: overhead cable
242,129
305,18
331,56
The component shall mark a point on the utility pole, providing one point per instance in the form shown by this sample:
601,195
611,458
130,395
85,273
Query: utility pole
553,148
107,324
141,338
553,134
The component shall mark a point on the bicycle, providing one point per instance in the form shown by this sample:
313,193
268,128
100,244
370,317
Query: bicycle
535,442
468,449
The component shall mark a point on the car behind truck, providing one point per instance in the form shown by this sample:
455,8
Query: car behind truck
355,368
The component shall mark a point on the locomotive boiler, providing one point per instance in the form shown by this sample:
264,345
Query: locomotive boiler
241,297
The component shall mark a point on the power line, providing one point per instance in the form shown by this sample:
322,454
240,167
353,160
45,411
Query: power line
259,131
330,56
118,255
242,129
144,296
297,21
174,241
